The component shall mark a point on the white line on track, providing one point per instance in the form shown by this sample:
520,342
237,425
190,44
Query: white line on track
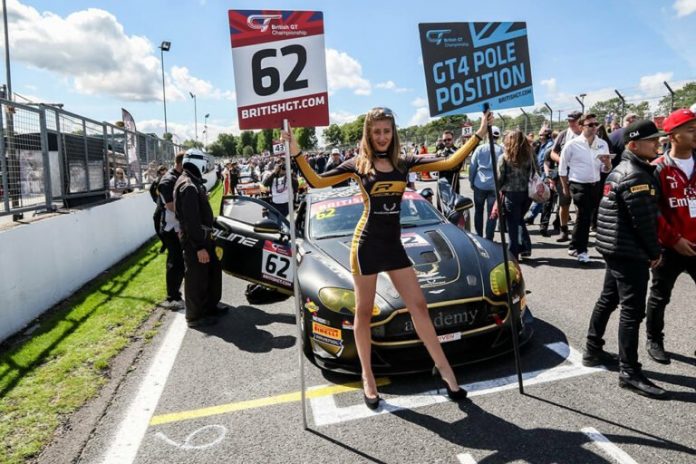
326,412
132,429
613,451
466,458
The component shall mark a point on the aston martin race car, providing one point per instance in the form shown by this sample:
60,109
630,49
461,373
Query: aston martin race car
462,277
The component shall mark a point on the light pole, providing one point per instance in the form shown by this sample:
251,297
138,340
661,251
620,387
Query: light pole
581,100
205,127
195,113
164,47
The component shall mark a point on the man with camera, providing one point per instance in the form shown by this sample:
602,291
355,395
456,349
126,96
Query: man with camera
277,182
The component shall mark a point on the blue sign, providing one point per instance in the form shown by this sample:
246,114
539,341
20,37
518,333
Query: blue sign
469,64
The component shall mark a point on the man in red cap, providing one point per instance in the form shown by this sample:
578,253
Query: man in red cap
676,224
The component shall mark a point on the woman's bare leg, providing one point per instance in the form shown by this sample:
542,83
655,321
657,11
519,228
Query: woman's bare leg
406,283
365,287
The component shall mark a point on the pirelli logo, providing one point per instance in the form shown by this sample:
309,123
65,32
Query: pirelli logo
387,188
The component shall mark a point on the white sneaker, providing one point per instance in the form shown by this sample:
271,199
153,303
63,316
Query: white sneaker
584,258
572,252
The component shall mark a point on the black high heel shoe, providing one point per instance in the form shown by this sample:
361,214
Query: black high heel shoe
454,395
372,403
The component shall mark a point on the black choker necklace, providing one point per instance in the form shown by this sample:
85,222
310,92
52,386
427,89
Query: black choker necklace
381,155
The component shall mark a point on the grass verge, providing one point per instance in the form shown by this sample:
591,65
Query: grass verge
65,361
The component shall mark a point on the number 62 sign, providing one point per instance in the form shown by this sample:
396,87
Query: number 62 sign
279,68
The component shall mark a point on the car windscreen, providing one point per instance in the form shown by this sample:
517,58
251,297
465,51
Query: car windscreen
339,217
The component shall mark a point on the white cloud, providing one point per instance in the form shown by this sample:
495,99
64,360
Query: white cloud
341,117
188,131
345,72
421,116
684,7
181,82
653,85
91,48
391,85
419,102
550,85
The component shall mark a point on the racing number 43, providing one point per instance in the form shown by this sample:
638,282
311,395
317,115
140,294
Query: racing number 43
272,75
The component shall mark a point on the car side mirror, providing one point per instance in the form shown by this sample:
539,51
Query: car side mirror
267,226
426,192
463,203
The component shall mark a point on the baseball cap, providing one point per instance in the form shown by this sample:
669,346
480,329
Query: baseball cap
495,130
642,130
574,115
678,118
335,151
630,116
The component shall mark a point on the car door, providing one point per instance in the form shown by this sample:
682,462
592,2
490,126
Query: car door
252,242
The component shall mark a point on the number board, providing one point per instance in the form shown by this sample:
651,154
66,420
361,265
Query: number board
275,264
278,147
279,68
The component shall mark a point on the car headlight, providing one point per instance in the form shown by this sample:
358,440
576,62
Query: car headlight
497,277
341,300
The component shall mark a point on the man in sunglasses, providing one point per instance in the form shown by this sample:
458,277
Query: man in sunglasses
582,161
447,149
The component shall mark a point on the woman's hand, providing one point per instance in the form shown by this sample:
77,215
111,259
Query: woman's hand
287,137
486,120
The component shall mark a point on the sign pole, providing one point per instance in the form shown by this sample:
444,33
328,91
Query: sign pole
514,309
293,270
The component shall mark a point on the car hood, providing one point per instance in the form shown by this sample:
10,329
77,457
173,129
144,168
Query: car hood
447,263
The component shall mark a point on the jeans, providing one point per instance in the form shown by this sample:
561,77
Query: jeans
516,204
585,199
625,283
481,198
663,279
535,210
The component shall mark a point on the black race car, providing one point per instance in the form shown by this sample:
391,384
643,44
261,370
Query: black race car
462,277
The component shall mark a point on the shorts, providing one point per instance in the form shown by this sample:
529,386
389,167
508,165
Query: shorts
372,255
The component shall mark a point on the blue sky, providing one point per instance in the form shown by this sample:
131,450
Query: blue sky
98,56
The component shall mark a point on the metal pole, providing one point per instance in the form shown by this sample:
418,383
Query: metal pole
671,93
623,103
293,270
514,312
164,95
526,119
550,114
84,139
582,105
502,119
48,188
195,115
3,166
7,52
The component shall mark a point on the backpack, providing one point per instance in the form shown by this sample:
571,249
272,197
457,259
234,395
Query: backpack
258,294
154,194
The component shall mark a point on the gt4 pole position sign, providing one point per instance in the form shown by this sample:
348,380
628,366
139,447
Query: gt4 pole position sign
279,68
469,64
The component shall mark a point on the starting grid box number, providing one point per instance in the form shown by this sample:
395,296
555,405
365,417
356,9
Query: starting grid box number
279,68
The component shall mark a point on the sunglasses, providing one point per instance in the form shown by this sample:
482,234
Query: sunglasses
381,112
446,140
592,124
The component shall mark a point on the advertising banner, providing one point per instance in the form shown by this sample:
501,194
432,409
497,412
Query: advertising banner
469,64
279,68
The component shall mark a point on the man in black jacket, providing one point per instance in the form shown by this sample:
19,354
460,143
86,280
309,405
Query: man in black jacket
627,238
203,279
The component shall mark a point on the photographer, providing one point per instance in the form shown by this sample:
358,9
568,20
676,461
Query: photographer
277,182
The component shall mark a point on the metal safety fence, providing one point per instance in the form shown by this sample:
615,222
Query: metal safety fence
52,158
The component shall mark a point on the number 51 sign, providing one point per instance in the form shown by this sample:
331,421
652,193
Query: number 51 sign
279,68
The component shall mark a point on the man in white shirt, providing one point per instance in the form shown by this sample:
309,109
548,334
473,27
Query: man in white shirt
582,160
574,130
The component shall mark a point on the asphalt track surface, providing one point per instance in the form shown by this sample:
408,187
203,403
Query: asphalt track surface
230,392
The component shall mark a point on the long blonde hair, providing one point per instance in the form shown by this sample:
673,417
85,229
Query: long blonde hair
364,161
